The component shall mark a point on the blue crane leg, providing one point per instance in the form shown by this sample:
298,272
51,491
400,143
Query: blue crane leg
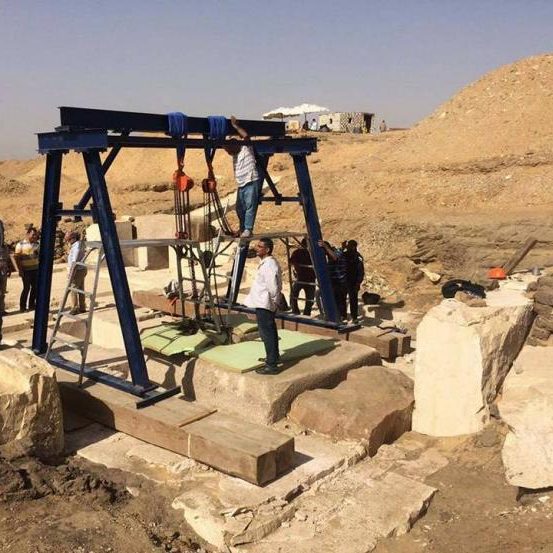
47,246
314,235
116,268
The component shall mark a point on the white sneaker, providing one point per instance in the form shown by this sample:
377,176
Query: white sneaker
246,233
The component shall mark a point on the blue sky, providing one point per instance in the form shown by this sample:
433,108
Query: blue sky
397,58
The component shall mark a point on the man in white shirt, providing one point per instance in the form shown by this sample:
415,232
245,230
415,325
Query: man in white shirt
263,297
247,179
76,273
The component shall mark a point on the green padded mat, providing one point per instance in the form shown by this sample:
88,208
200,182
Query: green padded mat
244,357
168,339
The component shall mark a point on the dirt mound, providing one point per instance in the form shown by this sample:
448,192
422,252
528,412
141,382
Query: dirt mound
135,166
12,187
139,183
507,113
77,507
28,478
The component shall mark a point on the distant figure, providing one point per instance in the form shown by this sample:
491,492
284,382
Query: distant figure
313,126
305,126
383,127
247,178
355,273
304,279
338,276
264,296
5,270
26,259
76,273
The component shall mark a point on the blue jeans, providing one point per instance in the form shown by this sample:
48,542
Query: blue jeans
246,204
266,326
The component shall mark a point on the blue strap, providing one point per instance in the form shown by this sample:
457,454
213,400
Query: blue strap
178,128
178,124
217,126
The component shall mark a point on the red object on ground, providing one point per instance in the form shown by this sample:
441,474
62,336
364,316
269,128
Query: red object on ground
497,273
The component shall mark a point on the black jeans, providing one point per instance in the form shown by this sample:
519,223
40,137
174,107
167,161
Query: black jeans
340,291
28,294
353,296
3,280
309,290
266,326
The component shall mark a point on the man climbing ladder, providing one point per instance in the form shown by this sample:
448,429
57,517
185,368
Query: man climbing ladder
247,178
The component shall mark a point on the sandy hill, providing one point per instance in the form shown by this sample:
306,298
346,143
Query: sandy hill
139,183
508,112
467,183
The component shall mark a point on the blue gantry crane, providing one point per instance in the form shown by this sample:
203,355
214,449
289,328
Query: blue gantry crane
93,131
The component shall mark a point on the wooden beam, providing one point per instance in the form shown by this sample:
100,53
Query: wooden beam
519,255
249,451
385,341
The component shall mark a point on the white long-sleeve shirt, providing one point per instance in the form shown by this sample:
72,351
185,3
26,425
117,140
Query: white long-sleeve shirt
76,253
267,285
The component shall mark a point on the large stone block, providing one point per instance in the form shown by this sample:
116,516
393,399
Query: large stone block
152,257
151,227
545,323
544,296
106,327
463,356
526,406
125,231
268,399
31,419
373,404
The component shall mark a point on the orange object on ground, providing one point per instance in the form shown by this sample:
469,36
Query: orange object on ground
497,273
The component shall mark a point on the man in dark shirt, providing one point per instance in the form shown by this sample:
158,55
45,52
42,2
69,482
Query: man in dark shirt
338,276
355,273
304,279
5,269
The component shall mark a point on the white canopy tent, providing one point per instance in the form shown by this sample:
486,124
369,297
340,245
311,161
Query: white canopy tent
302,109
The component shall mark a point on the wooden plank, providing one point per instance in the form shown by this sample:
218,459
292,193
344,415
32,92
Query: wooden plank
177,411
117,410
252,452
384,341
519,255
235,454
282,444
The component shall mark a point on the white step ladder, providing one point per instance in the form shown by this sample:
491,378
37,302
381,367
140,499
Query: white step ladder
64,313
